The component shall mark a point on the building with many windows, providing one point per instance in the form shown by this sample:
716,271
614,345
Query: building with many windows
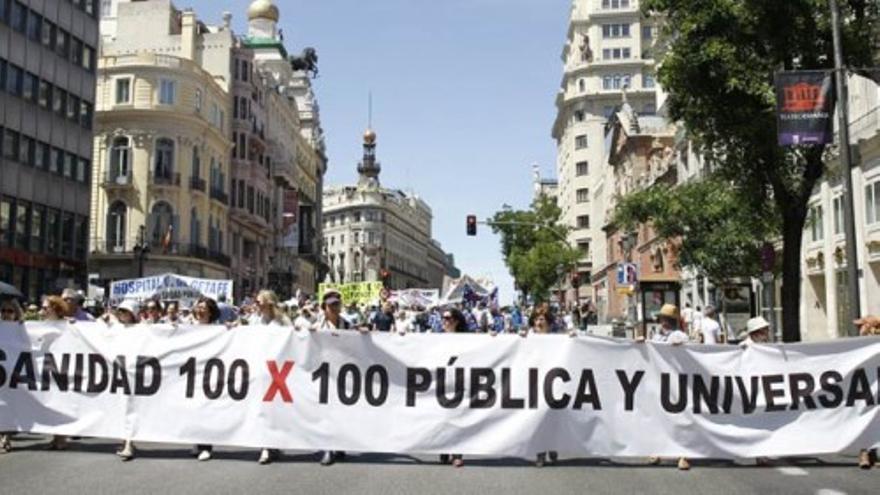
161,201
608,51
47,97
203,150
824,296
370,230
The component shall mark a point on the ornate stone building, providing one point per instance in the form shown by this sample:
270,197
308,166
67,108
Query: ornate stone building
369,230
209,152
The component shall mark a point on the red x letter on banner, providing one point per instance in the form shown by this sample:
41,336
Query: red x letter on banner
279,383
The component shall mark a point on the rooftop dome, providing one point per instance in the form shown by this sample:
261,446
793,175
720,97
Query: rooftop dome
263,9
369,136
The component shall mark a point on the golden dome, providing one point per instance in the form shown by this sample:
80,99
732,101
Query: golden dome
369,136
263,9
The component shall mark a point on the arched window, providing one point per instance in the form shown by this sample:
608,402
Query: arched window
164,166
194,228
120,160
162,222
116,227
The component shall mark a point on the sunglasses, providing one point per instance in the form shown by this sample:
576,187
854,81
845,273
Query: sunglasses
447,317
7,311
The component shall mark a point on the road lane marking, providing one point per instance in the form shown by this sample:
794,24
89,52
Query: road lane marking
792,471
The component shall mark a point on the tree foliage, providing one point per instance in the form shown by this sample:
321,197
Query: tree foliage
718,59
533,246
716,233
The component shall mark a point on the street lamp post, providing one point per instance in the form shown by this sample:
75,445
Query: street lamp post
141,250
849,225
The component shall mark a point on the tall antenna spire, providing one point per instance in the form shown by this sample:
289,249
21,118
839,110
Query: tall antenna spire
370,110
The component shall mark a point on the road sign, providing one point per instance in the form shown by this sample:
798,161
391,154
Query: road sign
627,274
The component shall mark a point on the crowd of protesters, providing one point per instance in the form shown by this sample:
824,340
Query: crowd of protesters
330,314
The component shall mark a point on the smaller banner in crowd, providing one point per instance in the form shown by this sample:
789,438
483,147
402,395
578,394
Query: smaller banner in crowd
170,287
356,292
804,107
415,298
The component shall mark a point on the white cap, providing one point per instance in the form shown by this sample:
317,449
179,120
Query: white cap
130,305
756,323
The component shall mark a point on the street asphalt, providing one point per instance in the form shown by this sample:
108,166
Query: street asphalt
90,467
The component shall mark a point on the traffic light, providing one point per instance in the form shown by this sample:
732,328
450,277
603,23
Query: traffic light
471,225
575,280
385,276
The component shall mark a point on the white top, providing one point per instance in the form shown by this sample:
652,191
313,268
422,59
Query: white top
711,330
670,337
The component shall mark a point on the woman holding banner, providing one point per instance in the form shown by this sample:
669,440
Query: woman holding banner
269,313
453,321
10,311
54,308
127,315
542,323
205,312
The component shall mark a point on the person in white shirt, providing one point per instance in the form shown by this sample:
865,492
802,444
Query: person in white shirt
709,327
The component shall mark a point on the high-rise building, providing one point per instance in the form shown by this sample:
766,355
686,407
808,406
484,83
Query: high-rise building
47,94
608,51
209,148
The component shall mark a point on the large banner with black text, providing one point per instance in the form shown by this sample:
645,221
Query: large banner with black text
264,386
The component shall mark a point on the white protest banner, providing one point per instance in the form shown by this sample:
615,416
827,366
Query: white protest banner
411,298
263,386
170,287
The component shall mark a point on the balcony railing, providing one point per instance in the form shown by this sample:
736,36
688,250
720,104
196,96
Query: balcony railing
159,248
197,184
166,179
219,195
116,180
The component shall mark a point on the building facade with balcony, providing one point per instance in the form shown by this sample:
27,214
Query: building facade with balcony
370,230
211,146
48,52
824,297
286,135
608,51
162,147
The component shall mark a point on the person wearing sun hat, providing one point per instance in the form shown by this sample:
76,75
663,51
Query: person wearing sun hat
670,333
757,332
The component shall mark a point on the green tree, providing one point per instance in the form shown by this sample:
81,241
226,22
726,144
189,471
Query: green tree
716,232
718,62
534,247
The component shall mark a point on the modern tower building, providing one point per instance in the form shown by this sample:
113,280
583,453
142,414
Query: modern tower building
47,95
608,52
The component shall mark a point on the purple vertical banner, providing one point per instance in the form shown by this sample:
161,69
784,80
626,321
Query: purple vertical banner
804,107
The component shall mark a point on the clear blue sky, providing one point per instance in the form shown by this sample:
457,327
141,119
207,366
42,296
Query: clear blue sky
463,99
